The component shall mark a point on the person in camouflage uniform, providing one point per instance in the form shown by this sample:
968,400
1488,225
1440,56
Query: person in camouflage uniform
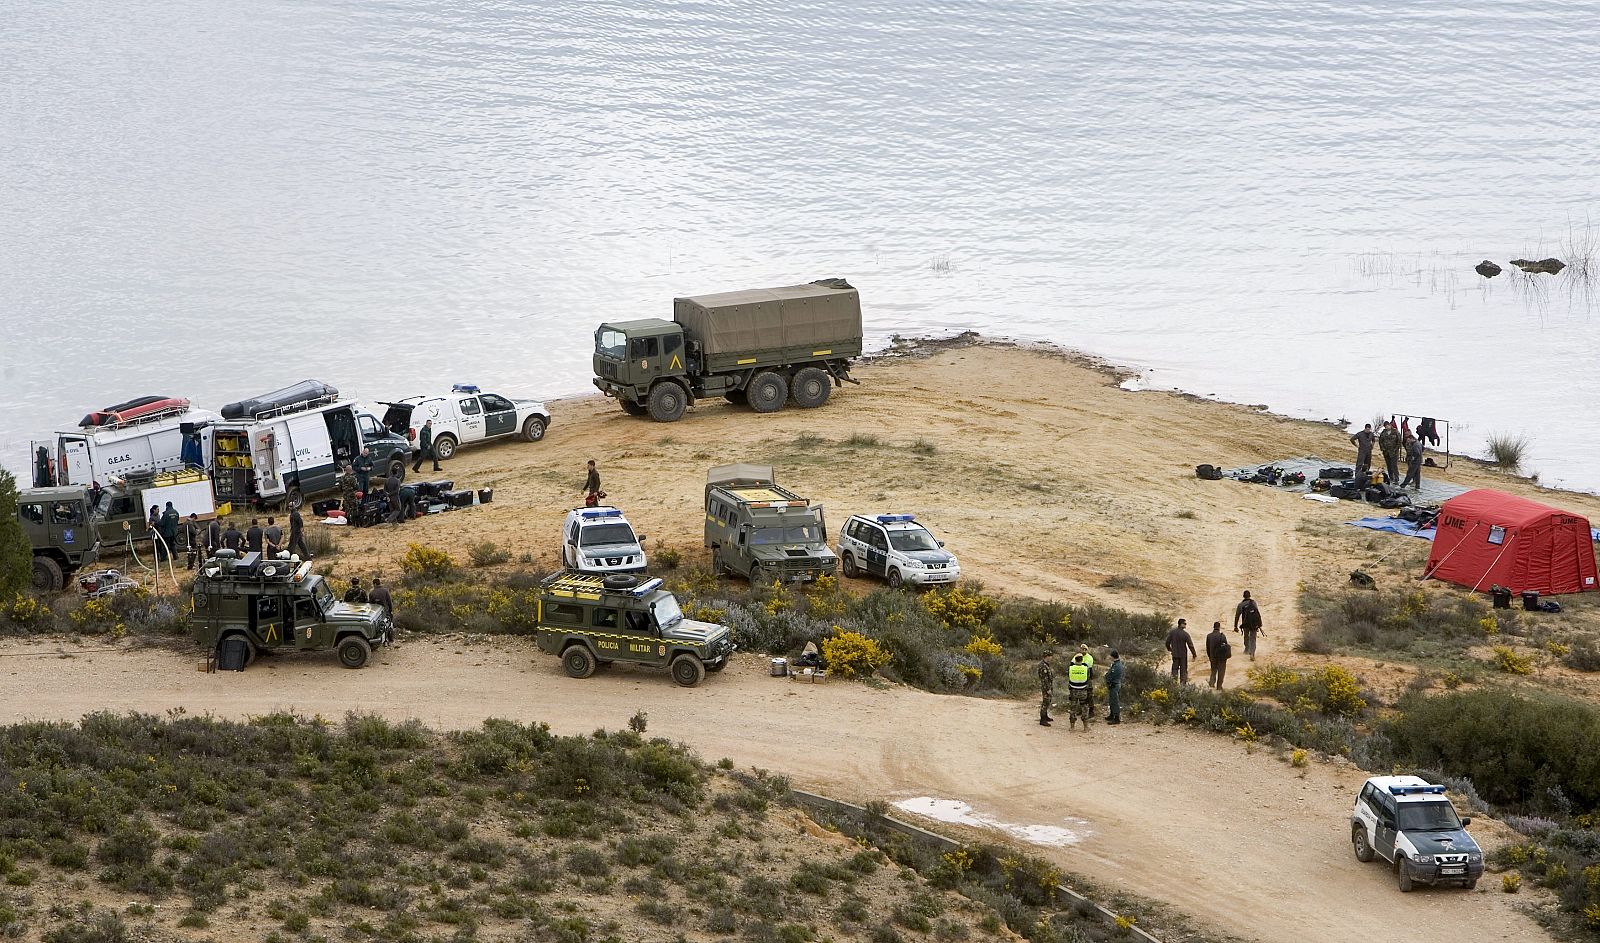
348,502
1047,688
1389,443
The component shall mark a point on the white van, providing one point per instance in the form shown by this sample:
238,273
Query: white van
467,415
138,448
600,540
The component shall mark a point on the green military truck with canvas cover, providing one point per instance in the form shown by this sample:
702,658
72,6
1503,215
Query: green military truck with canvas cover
592,620
757,529
246,604
61,531
762,347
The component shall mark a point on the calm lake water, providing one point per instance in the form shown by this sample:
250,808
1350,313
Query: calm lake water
1272,203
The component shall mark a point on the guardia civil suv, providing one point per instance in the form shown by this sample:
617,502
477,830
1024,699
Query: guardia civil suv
897,548
1408,822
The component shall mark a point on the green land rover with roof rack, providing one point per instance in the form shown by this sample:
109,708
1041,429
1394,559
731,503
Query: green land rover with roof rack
592,620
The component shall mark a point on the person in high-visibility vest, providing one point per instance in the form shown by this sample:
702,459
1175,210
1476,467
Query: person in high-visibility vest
1088,659
1078,693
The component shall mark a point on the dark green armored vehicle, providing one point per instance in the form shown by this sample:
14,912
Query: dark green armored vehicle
279,605
591,620
61,531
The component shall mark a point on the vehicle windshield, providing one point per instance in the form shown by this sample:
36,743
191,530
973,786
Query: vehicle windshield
603,535
915,539
802,534
667,612
1428,817
611,343
324,597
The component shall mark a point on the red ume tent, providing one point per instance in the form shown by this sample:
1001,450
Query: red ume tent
1487,537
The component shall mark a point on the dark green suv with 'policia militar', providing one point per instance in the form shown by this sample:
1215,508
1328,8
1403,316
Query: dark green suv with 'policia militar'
591,620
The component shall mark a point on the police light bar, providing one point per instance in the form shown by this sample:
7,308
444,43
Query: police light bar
465,388
1416,790
895,518
647,587
592,515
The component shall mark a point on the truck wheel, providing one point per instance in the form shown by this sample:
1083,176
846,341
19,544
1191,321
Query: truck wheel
533,429
768,392
398,467
895,580
354,651
444,447
47,576
688,670
632,408
667,402
577,661
810,388
295,499
1358,838
849,565
1402,875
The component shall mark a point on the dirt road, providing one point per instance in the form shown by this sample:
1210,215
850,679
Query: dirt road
1236,841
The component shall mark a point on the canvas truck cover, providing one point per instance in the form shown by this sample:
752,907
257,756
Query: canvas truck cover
818,315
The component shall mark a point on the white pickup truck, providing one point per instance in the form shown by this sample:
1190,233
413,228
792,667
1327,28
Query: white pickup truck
467,415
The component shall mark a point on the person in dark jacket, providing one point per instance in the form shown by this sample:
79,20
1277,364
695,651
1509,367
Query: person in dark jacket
1247,616
194,537
1182,648
1363,442
231,538
355,594
425,448
169,531
391,490
272,534
363,467
213,536
591,485
252,537
379,596
1413,450
1218,651
1114,687
297,535
1047,684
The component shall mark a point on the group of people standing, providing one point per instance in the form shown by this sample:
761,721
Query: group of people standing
202,539
1080,687
1246,622
1395,441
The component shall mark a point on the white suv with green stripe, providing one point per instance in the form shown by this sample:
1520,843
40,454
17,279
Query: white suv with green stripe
1409,823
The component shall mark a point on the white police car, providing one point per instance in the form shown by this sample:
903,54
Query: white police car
1408,822
467,415
600,540
897,548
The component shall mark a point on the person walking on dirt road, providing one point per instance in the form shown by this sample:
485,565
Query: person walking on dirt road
1247,617
1218,651
297,534
1047,684
1182,648
1114,687
425,451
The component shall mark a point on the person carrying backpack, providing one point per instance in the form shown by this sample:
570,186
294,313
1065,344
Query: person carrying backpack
1247,616
1218,651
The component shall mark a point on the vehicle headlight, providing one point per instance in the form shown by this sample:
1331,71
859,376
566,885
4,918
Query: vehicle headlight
916,564
1424,859
1475,856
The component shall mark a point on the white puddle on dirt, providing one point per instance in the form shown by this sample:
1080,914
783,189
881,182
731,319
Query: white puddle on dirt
957,812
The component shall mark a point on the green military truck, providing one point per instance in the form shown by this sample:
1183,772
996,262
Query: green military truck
757,529
61,530
592,620
246,604
762,347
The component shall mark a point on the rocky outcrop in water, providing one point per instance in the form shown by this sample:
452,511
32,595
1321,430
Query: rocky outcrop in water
1487,269
1543,266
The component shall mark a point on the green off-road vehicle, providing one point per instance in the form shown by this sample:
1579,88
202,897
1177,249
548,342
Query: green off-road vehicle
592,620
61,531
279,605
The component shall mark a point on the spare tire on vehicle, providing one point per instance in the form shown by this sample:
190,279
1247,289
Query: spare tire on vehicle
621,581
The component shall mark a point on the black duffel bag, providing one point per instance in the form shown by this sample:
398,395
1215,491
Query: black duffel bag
1208,472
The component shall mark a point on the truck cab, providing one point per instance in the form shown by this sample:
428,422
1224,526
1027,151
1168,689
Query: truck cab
280,605
61,531
592,620
631,356
758,529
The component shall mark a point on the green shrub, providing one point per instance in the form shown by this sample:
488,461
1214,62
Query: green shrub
16,556
487,553
1582,655
1507,451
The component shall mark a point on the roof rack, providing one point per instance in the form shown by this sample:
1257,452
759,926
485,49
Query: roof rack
300,406
593,586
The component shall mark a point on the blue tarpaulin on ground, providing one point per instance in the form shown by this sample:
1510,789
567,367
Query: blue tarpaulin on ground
1393,525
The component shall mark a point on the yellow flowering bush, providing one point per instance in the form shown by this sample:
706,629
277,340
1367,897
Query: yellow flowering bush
1508,660
984,646
852,654
959,607
427,562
